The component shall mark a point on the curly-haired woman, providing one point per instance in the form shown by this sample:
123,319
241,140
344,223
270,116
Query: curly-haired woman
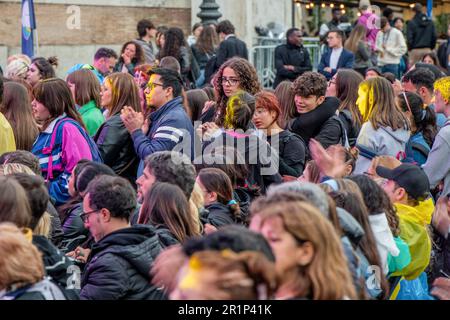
131,55
236,74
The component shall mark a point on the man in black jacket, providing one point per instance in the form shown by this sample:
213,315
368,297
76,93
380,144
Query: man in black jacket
421,35
317,114
119,263
291,59
230,46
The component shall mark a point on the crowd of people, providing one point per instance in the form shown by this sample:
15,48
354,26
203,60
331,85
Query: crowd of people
168,172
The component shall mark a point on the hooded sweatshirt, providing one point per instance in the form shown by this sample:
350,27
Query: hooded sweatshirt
413,230
383,141
384,238
421,32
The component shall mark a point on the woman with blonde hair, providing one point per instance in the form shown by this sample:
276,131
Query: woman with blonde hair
22,276
113,139
310,261
226,275
357,44
385,129
16,107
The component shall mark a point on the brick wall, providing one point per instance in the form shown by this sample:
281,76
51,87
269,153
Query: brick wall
98,24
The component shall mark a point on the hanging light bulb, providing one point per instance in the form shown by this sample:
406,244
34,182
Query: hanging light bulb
323,5
311,5
307,6
342,6
359,14
343,11
332,5
412,5
298,4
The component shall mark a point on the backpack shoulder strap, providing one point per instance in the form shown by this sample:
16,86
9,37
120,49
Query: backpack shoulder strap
49,149
421,148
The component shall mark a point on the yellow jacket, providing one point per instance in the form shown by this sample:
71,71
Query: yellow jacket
413,230
7,142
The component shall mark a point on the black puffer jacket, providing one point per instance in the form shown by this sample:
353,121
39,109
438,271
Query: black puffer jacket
421,32
117,148
218,215
119,266
74,231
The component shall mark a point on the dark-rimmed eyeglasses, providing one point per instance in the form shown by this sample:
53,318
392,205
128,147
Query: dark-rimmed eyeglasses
84,216
229,81
153,85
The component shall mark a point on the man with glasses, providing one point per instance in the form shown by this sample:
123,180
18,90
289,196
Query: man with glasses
119,263
291,59
336,57
168,125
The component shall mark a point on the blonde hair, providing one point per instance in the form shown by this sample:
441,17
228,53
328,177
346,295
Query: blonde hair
329,264
443,86
196,203
44,225
12,168
247,275
379,107
20,262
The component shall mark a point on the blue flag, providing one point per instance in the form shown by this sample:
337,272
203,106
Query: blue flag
28,25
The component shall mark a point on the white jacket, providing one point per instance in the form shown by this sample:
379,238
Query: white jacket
395,44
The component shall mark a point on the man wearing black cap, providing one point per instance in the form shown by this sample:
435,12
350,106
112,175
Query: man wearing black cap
408,188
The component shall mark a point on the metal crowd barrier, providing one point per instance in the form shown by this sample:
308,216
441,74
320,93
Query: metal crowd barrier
263,57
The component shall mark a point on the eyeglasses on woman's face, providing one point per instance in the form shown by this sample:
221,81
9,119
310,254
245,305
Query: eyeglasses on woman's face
229,81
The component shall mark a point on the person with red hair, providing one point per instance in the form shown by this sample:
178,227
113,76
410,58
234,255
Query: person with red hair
290,146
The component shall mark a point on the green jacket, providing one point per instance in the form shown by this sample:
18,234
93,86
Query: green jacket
92,117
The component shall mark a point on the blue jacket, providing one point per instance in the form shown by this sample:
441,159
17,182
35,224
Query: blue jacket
169,127
417,149
346,60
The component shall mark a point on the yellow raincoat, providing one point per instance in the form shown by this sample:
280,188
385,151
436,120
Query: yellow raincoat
7,141
413,230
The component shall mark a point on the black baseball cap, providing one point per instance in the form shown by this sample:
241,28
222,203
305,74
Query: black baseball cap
410,177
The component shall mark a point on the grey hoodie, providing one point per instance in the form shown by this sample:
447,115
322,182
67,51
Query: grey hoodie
383,141
437,166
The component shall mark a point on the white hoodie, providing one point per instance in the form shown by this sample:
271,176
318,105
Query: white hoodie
384,238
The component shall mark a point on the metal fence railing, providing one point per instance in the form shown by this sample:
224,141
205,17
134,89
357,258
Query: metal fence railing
263,57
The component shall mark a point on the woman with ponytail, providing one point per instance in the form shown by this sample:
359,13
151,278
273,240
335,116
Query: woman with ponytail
423,126
218,196
41,69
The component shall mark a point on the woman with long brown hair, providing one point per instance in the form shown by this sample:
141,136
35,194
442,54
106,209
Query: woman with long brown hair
348,196
86,93
310,261
286,96
204,49
166,208
344,86
113,139
16,108
63,140
236,74
385,129
357,44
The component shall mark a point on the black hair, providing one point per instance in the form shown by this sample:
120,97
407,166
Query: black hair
196,26
233,237
105,53
424,118
377,201
396,19
226,27
37,195
170,78
45,66
143,25
174,168
387,12
88,172
420,77
291,31
113,193
433,68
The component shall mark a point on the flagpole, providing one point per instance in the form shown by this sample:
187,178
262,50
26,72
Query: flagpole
36,51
